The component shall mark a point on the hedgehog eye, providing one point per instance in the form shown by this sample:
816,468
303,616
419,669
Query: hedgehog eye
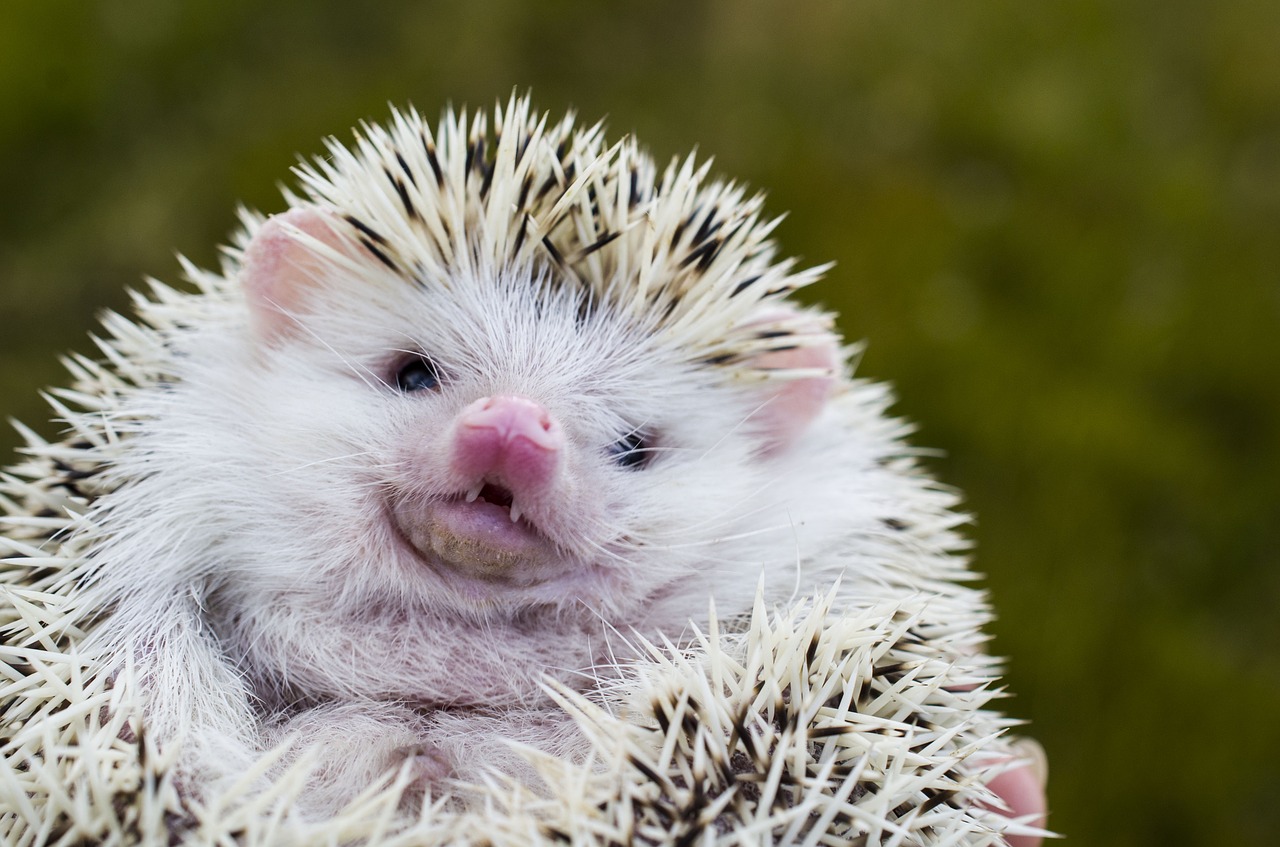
418,374
631,451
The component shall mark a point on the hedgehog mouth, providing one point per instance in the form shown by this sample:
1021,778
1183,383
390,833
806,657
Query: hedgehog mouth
496,495
480,535
490,495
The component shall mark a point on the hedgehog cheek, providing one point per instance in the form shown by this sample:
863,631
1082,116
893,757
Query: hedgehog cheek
788,406
282,264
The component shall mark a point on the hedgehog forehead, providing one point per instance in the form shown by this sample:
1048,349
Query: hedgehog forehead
514,332
687,259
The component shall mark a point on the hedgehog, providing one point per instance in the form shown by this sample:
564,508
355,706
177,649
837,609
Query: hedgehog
497,491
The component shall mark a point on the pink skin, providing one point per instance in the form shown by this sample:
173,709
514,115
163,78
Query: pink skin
508,440
279,270
798,401
1023,792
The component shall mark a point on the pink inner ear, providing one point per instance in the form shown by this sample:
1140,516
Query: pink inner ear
792,404
279,270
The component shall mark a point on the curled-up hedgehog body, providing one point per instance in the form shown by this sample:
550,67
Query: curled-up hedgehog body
501,469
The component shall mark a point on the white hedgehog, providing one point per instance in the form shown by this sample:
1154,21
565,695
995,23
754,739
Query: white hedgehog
493,493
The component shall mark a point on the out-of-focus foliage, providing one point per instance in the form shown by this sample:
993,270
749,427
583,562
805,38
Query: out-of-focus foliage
1057,223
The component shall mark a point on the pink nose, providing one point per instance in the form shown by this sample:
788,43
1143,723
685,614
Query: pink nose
508,438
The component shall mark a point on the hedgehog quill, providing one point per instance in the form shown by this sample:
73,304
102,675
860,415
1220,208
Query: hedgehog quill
499,472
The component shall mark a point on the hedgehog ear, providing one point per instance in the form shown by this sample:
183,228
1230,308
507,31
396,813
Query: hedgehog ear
282,264
788,406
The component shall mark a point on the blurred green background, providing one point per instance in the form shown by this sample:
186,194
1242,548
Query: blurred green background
1057,223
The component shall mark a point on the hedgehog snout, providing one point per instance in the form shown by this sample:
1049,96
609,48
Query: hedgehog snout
506,444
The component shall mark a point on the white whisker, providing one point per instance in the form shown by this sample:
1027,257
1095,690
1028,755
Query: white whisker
323,462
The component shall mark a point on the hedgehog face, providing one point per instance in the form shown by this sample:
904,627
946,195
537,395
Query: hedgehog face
517,447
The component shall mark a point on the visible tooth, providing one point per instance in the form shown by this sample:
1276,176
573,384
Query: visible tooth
515,512
475,492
